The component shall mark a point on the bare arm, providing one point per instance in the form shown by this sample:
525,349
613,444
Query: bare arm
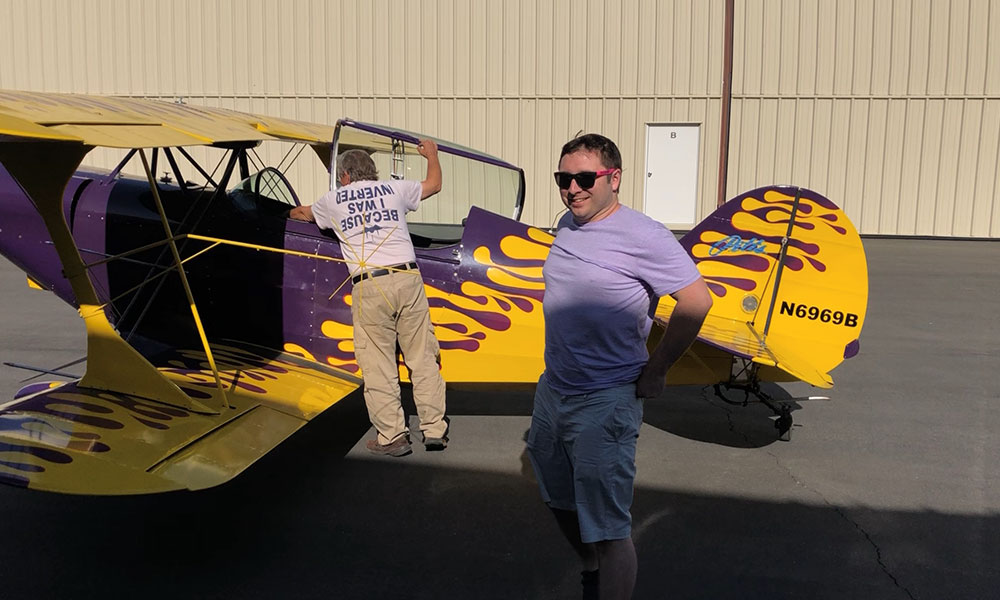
432,184
302,213
693,304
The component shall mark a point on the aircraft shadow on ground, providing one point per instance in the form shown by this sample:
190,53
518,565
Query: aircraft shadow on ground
691,412
308,522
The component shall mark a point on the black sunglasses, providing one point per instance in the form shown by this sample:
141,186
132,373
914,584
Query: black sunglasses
585,179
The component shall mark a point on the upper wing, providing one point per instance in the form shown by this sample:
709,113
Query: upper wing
137,123
78,440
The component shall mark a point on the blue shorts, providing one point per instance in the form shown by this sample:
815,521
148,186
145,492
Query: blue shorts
583,450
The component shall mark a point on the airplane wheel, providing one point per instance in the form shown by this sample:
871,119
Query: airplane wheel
784,424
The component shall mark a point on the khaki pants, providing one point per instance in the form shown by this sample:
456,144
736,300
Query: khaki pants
385,310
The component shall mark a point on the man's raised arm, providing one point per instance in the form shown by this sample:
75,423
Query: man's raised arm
432,184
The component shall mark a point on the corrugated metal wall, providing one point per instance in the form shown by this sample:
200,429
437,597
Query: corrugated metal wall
891,108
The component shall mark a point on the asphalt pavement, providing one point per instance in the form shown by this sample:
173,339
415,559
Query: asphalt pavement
889,487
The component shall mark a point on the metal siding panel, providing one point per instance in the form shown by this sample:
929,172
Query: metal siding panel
629,135
353,77
609,59
840,119
802,140
705,40
979,41
645,48
789,32
958,48
819,161
928,172
750,51
968,157
889,192
572,59
511,140
396,58
843,71
881,72
920,48
389,79
681,49
771,32
72,38
510,48
947,166
8,76
826,47
874,166
527,32
97,56
664,57
369,76
767,142
863,50
901,39
298,47
993,55
494,50
913,143
544,61
745,152
938,46
495,127
246,56
412,54
985,212
800,48
786,110
478,55
538,207
854,173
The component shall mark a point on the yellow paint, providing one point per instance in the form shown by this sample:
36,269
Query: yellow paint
809,348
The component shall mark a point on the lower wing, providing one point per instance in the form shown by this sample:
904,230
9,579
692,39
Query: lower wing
76,440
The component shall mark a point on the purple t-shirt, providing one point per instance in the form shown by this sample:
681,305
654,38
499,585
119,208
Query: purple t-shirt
602,282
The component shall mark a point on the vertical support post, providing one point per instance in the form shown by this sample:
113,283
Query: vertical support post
781,261
43,169
184,282
727,98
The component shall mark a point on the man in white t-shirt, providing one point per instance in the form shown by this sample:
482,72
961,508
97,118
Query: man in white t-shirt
388,303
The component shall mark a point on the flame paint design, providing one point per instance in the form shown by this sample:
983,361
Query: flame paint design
491,312
763,214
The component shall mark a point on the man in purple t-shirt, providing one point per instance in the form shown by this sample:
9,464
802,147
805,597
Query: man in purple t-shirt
607,269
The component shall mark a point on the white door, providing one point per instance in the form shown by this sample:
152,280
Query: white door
671,189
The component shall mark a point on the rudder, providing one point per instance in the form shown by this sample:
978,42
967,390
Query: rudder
820,274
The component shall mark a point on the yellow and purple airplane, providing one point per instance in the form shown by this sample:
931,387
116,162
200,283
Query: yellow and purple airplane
217,327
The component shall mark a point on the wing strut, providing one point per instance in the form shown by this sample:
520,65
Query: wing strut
43,169
180,271
781,262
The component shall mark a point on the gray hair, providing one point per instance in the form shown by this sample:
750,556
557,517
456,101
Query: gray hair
358,165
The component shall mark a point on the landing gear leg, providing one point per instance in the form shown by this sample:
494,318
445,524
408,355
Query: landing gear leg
784,424
784,421
784,412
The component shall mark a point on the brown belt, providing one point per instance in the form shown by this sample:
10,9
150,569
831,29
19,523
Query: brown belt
410,266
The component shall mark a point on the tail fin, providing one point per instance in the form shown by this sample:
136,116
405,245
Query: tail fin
788,266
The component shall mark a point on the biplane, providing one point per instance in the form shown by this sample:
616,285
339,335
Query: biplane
217,327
